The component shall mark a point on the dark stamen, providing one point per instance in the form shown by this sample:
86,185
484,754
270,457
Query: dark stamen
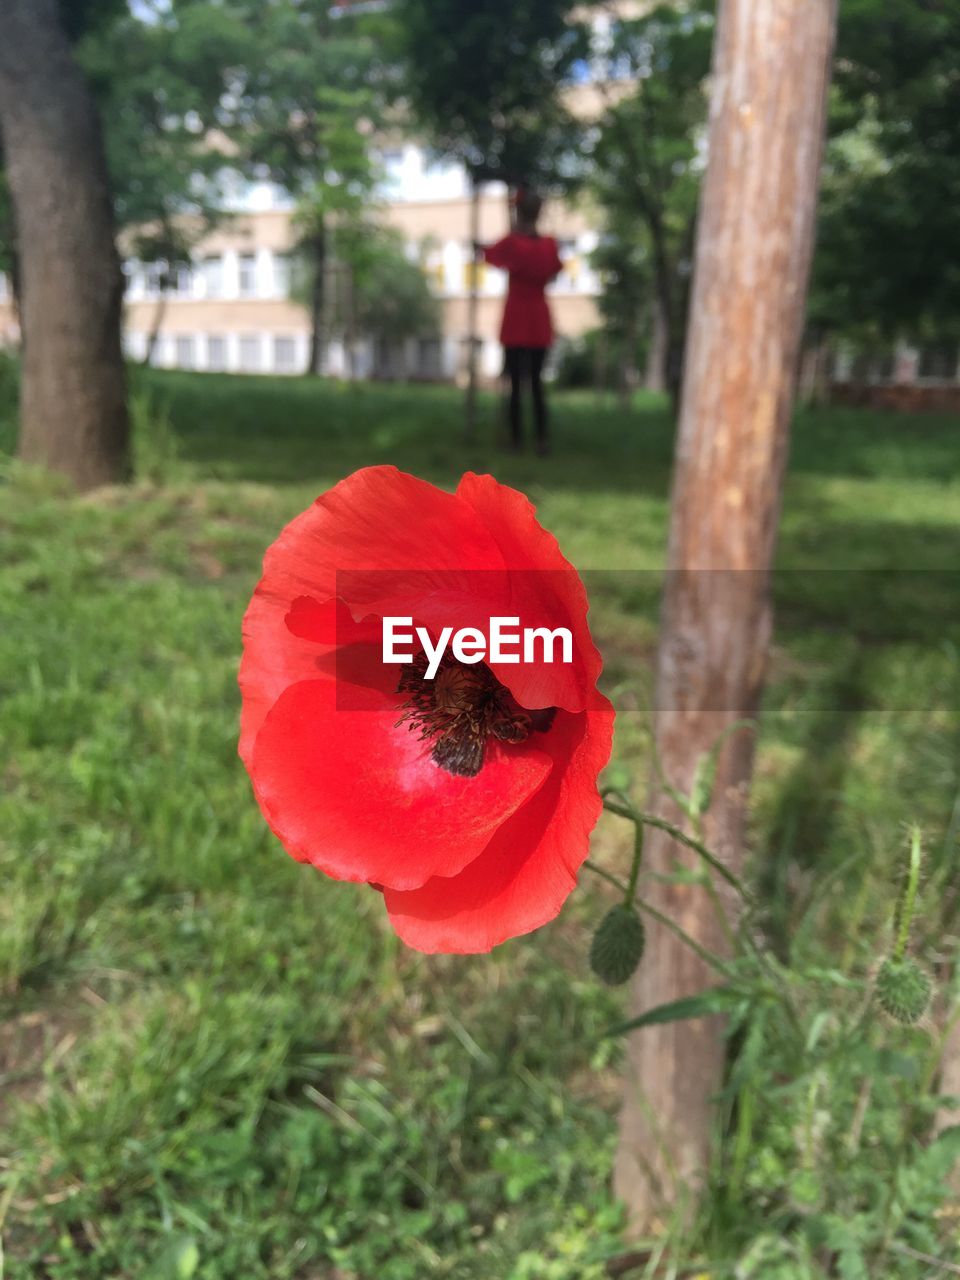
460,709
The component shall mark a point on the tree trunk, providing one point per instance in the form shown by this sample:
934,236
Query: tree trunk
350,326
470,403
73,415
754,244
318,248
600,364
153,337
627,377
655,374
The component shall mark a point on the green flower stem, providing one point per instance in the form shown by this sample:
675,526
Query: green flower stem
626,810
706,956
725,926
614,801
631,890
908,898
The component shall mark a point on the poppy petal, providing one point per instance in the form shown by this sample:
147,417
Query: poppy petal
360,797
378,519
546,591
525,874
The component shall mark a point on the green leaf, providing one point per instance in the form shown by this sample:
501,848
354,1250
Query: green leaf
712,1000
178,1260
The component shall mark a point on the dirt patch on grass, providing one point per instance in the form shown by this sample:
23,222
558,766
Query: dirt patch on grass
29,1043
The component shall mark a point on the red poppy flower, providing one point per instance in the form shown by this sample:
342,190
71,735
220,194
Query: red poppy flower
469,798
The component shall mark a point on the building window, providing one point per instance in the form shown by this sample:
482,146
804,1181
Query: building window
183,346
429,358
250,353
281,274
212,270
474,270
248,275
184,282
284,354
216,353
155,279
571,264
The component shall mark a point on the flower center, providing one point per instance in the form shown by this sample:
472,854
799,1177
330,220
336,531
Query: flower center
461,709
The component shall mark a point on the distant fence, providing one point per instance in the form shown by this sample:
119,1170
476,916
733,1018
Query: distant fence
899,397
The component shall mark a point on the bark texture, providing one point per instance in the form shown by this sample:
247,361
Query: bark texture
73,415
754,243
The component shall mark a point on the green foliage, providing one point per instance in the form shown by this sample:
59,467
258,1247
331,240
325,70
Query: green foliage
887,260
159,84
378,291
483,81
155,445
391,296
305,97
647,160
304,103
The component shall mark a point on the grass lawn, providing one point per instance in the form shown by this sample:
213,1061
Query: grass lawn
215,1063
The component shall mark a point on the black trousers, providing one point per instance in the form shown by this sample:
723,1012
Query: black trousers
525,365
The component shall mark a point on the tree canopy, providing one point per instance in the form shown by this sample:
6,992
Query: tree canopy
889,251
484,81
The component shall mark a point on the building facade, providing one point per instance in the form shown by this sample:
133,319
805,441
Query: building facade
232,311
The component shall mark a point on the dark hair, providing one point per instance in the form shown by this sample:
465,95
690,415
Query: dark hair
528,205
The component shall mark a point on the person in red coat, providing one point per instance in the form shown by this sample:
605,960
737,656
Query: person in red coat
531,261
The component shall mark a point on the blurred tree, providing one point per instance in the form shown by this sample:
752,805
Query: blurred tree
623,261
303,106
484,82
73,415
161,85
389,298
648,155
888,257
374,289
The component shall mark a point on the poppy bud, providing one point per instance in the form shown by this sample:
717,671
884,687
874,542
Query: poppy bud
903,990
617,945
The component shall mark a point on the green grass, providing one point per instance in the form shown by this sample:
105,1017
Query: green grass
216,1063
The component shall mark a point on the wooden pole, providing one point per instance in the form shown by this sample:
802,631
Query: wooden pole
470,404
755,238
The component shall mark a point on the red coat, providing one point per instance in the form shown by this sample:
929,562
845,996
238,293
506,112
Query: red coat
532,262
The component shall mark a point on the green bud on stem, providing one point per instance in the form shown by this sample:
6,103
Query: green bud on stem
617,946
903,990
